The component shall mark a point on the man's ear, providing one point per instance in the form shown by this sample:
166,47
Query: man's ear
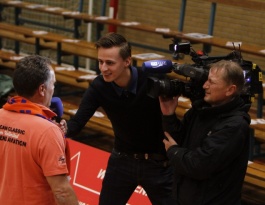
231,90
42,90
128,61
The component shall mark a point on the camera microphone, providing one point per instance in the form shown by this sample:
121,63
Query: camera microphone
188,70
157,66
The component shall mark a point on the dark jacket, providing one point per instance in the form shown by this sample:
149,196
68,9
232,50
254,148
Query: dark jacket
211,157
136,118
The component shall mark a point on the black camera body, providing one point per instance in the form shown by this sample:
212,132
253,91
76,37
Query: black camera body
196,74
191,88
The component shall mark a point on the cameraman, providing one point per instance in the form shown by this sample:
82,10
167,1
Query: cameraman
208,148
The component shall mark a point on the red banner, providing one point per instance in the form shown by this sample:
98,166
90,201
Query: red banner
88,166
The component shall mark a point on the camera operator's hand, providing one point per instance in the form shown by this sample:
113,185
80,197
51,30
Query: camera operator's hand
168,105
169,141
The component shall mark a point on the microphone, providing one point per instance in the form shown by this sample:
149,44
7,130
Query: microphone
57,107
191,71
157,66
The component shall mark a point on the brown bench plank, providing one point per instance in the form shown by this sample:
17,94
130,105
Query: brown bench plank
255,174
35,7
248,4
8,59
9,56
254,183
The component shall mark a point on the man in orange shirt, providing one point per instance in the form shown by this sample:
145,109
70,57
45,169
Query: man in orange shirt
32,147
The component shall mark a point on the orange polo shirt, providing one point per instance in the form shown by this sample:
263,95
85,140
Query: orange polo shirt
30,149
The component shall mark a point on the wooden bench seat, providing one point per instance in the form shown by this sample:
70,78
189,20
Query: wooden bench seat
9,56
253,191
8,59
64,74
259,135
255,175
69,78
46,36
35,7
248,4
43,39
99,123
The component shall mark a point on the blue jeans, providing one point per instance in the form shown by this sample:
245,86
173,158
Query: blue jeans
125,173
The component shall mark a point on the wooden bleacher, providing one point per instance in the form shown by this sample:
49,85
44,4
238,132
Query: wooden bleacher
58,11
64,74
253,191
60,43
80,16
166,32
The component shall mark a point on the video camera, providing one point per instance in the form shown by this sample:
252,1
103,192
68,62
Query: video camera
196,74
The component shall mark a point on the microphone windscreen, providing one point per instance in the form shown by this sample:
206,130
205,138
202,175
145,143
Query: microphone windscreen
57,106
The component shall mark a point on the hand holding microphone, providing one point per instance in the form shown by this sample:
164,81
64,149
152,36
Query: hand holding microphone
57,107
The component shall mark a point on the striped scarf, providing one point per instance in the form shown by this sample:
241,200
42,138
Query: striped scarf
22,105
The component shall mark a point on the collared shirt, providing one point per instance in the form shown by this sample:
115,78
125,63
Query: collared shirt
132,85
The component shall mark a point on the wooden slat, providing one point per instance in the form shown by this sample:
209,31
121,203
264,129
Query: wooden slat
257,166
35,7
248,4
255,174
